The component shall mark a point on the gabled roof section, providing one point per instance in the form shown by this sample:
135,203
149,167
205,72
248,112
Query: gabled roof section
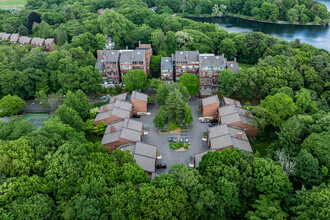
24,40
229,101
112,55
188,56
102,115
37,40
140,96
230,114
210,100
126,56
211,60
233,66
121,97
49,41
100,64
138,56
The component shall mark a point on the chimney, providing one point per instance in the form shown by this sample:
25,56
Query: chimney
235,103
139,43
246,114
104,109
112,129
224,61
239,135
235,59
115,99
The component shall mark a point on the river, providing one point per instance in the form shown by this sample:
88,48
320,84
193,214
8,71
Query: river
318,36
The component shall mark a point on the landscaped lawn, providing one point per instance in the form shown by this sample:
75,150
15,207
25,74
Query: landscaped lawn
12,3
172,126
177,145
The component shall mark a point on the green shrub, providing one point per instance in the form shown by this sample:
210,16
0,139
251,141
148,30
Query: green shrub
172,126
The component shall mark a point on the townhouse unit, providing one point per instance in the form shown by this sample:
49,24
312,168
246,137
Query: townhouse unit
14,38
117,111
235,115
124,132
206,66
139,101
24,40
114,64
224,136
210,106
145,155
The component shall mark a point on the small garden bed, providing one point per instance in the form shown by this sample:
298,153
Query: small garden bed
179,146
172,126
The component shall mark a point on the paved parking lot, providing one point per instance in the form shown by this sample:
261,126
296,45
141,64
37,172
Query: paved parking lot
160,140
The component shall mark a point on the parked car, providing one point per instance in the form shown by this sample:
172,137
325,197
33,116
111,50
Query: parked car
136,116
214,121
102,97
161,166
205,120
185,140
213,124
172,139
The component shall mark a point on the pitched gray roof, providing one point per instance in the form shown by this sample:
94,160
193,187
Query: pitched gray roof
198,158
130,134
126,56
123,105
166,63
4,36
134,125
49,41
189,56
111,137
229,101
102,115
242,145
24,40
138,56
140,96
14,37
100,64
37,40
118,125
112,55
120,113
222,136
230,114
148,164
146,150
221,142
121,97
233,66
210,60
210,100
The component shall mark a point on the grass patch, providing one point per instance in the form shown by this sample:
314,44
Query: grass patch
172,126
163,131
260,146
178,145
93,138
245,66
12,3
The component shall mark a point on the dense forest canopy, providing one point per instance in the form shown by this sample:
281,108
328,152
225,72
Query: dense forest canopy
57,173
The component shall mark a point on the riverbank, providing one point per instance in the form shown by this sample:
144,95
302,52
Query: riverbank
256,20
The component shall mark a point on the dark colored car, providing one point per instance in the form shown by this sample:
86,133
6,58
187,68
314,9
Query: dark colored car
171,139
213,124
161,166
214,121
136,116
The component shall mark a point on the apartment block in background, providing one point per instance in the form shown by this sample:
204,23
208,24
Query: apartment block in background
206,67
166,70
114,64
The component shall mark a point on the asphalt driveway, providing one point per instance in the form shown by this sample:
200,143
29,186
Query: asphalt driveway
160,140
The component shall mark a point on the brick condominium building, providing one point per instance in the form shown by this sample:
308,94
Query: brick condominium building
114,64
206,66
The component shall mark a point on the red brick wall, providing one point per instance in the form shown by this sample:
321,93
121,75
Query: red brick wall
107,121
121,141
139,106
210,110
249,129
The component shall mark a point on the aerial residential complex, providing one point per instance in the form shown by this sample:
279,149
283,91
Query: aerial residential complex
114,64
24,40
206,66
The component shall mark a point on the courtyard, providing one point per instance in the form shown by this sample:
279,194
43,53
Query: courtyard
160,140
